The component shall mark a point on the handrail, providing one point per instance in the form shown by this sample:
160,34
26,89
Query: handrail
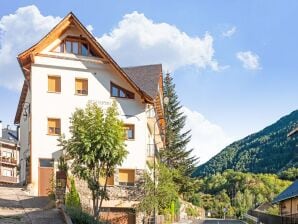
11,160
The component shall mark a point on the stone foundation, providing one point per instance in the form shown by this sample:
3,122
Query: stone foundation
122,199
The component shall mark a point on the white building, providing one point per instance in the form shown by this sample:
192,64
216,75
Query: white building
64,71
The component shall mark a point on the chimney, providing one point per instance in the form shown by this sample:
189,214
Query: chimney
0,129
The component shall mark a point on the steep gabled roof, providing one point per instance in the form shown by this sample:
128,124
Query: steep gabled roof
146,77
27,58
290,192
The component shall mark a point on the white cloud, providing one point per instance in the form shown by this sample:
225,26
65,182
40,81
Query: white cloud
207,138
250,60
18,32
230,32
89,28
138,40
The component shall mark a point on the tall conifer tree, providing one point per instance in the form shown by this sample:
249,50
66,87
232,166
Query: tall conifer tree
176,155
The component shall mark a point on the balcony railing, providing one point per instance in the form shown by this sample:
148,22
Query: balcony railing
8,179
8,160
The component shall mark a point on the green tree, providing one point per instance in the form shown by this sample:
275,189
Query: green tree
289,174
96,146
240,204
72,198
175,155
163,196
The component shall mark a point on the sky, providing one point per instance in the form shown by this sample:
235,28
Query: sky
234,62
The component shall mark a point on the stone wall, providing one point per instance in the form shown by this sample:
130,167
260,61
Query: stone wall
120,196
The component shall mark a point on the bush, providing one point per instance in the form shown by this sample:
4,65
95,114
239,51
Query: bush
79,217
190,211
72,198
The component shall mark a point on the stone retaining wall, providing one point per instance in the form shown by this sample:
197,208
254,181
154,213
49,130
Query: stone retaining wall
120,196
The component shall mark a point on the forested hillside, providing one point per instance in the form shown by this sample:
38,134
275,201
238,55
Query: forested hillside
237,192
267,151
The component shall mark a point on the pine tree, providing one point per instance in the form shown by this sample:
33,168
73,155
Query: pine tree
176,155
72,197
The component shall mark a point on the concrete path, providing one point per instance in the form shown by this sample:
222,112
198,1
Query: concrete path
19,208
218,221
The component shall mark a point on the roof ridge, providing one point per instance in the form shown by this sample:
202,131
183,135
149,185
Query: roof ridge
136,66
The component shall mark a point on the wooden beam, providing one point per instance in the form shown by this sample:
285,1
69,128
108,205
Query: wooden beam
95,60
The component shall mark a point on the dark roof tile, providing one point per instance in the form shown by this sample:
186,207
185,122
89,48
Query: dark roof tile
146,77
9,136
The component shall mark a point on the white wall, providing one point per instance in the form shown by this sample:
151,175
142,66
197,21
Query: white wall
62,105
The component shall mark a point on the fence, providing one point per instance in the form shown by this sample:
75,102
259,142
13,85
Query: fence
276,219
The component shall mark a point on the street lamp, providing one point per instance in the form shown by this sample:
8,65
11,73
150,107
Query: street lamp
165,102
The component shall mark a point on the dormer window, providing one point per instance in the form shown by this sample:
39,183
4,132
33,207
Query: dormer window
74,46
117,91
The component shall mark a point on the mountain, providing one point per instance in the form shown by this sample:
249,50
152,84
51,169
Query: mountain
267,151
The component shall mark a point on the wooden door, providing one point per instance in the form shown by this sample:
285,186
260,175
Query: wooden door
45,176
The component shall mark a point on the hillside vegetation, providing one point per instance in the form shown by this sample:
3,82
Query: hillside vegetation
267,151
237,192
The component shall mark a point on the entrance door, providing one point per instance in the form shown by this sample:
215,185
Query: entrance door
45,176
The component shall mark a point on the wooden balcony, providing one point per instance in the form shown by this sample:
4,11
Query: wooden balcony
7,179
8,161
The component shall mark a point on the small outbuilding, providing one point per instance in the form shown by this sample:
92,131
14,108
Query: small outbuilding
288,201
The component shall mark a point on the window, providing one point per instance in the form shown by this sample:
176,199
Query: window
126,177
74,45
129,131
54,126
54,84
84,49
7,173
110,181
82,86
46,163
117,91
71,47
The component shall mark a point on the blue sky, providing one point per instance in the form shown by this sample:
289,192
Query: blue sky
239,77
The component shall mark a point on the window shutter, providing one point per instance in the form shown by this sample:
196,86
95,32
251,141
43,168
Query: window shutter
54,84
79,84
85,84
127,176
51,84
52,123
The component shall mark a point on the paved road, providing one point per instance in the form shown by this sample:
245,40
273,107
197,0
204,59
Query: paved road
218,221
19,208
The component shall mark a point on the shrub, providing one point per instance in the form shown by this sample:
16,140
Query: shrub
79,217
190,211
72,197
